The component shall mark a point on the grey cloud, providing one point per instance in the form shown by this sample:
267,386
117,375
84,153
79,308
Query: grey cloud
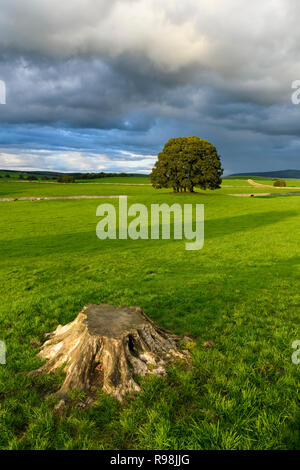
127,75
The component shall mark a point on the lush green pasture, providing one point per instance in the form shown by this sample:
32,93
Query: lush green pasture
241,291
12,175
270,181
242,180
31,189
230,182
4,174
14,189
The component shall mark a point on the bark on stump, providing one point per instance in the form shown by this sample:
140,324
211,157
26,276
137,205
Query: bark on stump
105,347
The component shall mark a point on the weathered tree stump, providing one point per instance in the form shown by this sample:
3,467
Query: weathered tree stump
105,347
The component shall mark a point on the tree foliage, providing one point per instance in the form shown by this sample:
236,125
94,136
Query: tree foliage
280,183
186,163
66,179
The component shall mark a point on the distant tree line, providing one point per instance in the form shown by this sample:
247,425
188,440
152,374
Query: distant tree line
65,177
70,178
91,176
36,178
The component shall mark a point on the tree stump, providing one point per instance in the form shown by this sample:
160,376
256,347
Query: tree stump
105,347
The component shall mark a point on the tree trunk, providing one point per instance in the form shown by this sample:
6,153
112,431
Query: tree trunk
105,346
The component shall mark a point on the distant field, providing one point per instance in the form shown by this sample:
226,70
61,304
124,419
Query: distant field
234,182
7,175
242,292
19,189
259,179
145,180
119,179
14,189
270,181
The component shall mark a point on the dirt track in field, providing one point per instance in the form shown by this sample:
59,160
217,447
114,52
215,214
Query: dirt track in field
259,185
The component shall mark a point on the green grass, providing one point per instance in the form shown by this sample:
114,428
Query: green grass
119,179
8,175
16,189
13,189
15,175
242,181
242,291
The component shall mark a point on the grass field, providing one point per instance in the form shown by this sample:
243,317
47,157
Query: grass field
241,291
119,179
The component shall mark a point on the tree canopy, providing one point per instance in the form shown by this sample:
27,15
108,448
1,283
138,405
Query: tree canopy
66,179
186,163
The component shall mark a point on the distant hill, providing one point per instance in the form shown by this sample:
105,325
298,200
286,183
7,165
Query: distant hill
272,174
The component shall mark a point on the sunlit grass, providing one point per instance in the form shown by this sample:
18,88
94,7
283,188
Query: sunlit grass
241,293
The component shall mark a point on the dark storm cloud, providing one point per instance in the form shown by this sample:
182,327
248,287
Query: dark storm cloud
109,82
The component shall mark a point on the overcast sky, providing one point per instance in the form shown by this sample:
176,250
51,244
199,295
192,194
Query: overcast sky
101,85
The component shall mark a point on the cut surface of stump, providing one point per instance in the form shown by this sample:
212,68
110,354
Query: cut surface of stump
105,347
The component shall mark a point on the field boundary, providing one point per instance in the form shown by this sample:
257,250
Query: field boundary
265,194
42,198
57,182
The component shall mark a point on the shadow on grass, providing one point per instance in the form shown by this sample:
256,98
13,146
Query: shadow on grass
87,242
272,195
247,371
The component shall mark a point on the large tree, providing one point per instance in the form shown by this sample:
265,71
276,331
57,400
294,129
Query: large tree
186,163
